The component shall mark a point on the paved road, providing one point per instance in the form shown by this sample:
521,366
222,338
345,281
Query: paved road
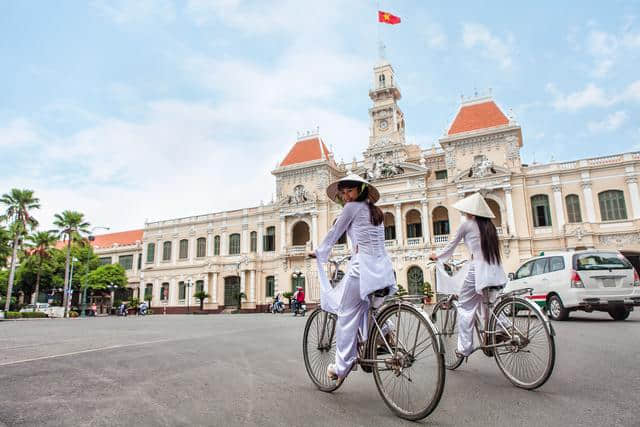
227,370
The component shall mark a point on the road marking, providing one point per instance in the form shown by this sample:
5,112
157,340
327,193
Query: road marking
91,350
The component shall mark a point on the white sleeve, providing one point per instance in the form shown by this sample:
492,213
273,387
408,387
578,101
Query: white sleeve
446,253
342,224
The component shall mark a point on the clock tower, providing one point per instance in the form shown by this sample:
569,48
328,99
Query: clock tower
387,119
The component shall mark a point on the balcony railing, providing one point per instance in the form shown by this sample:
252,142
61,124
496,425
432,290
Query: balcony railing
389,243
414,241
340,247
440,238
299,250
499,230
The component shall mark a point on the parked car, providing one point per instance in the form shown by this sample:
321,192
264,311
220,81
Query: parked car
589,280
39,306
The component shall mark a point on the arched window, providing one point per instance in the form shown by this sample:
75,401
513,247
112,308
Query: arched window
166,251
415,281
151,252
201,247
148,292
199,285
297,279
414,224
389,226
573,208
540,210
381,81
440,217
495,209
234,244
612,206
184,249
182,291
254,241
216,245
270,286
300,234
269,240
164,292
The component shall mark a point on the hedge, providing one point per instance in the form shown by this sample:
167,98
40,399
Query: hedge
24,315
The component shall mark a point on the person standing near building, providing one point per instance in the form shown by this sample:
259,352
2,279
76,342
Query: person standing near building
485,270
370,267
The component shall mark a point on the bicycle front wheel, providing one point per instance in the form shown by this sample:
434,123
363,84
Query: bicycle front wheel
319,349
445,319
409,368
526,351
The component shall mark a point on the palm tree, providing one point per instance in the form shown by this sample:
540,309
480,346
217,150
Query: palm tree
5,246
201,295
71,227
18,205
40,244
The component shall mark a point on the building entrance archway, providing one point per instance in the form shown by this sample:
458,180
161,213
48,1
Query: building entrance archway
231,291
415,281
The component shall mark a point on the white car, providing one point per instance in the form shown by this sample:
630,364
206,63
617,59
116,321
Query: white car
39,306
562,282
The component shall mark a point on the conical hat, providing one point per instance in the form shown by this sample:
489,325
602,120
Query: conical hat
474,205
332,189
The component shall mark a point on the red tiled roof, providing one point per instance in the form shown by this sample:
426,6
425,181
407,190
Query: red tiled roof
478,116
306,151
107,240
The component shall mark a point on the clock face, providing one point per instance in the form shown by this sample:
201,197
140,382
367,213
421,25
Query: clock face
383,124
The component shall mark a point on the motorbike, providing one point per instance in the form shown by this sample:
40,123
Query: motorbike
277,307
300,308
122,311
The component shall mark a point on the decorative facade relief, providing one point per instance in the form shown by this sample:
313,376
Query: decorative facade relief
382,169
481,167
619,239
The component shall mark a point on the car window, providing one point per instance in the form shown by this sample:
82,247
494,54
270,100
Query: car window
540,266
525,270
601,261
556,263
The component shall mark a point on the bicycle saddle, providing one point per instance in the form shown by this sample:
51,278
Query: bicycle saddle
381,292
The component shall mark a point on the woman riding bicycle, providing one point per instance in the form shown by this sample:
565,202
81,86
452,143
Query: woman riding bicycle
481,238
370,267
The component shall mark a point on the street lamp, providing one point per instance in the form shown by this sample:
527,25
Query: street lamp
70,290
91,238
112,290
188,294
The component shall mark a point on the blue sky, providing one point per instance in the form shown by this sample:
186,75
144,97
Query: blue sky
129,111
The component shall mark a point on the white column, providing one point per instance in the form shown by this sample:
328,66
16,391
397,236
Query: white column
155,293
252,285
283,234
314,230
511,222
588,201
425,223
141,287
158,255
632,184
224,251
260,237
557,197
175,250
244,243
192,249
214,288
173,292
242,283
399,223
209,243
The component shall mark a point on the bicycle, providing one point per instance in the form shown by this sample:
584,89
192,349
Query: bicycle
513,330
406,359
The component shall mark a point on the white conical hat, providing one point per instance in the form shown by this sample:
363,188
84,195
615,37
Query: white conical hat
475,205
332,189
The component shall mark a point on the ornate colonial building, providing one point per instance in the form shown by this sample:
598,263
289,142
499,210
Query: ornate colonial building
260,250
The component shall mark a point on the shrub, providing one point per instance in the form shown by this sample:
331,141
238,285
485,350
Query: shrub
73,313
12,315
34,315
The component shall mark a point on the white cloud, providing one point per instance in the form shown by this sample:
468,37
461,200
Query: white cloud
610,123
127,11
18,132
608,49
592,96
493,47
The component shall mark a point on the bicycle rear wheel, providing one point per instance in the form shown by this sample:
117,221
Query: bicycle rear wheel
319,348
409,372
445,319
527,353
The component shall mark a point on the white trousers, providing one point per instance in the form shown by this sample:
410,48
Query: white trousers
352,315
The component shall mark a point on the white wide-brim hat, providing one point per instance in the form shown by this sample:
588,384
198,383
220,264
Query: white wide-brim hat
474,205
332,189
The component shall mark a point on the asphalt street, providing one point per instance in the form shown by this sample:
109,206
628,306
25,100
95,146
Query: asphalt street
227,370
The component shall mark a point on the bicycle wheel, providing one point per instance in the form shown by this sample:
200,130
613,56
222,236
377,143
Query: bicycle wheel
445,319
319,348
409,373
527,352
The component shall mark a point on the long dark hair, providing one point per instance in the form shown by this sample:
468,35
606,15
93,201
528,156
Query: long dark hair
489,240
375,213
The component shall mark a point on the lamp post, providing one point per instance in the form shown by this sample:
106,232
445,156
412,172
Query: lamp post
91,238
70,290
188,294
112,290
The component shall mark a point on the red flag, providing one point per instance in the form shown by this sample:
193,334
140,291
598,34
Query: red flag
387,18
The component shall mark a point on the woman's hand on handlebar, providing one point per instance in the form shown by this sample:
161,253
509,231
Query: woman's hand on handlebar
433,257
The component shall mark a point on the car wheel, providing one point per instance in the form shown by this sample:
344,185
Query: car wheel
556,309
619,313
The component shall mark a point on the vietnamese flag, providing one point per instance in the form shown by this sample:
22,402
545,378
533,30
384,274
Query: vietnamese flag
387,18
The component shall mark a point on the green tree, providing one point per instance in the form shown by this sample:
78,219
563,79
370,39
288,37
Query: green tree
40,244
105,275
18,206
5,246
201,295
71,227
